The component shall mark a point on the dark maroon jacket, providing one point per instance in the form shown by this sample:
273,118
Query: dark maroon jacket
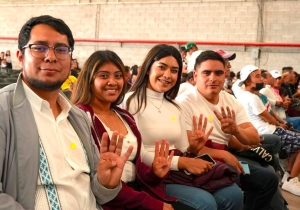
128,198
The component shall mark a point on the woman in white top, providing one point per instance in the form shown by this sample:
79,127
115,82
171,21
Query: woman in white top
158,116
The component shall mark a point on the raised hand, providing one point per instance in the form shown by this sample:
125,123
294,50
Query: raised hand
162,160
198,137
227,120
111,165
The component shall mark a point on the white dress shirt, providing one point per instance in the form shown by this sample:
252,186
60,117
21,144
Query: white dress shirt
65,155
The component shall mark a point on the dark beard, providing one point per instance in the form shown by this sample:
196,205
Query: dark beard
38,84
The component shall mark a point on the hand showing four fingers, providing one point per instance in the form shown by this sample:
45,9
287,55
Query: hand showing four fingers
111,165
162,160
227,120
199,137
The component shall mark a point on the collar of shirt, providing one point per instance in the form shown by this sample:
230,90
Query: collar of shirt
42,104
268,86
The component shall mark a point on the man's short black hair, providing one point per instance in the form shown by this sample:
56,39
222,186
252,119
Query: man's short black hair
208,55
287,69
57,24
263,73
189,76
238,75
232,74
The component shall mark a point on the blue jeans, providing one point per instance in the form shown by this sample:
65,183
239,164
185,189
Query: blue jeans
259,188
230,198
295,121
274,140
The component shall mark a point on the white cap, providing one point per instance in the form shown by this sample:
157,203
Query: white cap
275,74
245,72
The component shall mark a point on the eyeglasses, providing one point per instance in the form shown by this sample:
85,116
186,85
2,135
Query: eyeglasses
41,51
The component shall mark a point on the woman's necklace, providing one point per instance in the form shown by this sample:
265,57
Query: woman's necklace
158,108
105,120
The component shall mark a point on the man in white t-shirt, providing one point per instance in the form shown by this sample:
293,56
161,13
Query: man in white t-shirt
190,82
192,49
230,122
266,124
276,103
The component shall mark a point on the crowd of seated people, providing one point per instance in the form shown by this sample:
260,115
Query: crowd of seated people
163,133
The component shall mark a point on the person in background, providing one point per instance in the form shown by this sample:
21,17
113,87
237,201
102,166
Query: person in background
275,102
74,67
69,83
287,78
190,82
151,102
127,78
193,52
8,60
2,56
266,124
228,75
183,52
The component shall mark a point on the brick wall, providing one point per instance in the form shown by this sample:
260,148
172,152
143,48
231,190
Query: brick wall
210,20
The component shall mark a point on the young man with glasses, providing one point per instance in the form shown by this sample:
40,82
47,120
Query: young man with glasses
48,160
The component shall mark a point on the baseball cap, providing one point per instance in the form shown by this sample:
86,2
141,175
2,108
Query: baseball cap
226,55
275,74
245,72
189,45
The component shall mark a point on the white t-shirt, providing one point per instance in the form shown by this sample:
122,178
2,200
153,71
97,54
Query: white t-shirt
192,60
269,92
254,107
236,89
184,86
193,103
154,125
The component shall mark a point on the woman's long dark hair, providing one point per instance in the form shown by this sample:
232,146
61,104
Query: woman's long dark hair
140,85
82,92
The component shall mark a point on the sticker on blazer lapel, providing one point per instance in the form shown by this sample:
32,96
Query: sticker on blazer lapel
73,145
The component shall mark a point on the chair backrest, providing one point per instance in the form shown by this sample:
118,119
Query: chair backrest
14,75
11,80
3,84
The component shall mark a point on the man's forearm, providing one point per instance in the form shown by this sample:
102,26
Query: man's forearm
247,135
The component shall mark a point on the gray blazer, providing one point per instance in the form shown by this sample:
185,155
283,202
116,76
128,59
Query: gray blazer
19,150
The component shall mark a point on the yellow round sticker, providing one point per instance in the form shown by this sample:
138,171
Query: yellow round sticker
210,118
173,118
73,145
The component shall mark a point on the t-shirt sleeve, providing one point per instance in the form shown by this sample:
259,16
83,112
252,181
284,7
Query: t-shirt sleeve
240,114
268,93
